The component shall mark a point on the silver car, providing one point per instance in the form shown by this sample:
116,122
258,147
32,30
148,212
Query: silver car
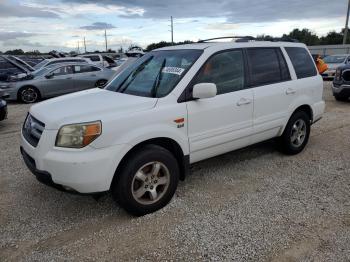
333,62
54,81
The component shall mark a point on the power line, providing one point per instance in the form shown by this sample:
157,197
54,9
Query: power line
172,29
106,39
346,24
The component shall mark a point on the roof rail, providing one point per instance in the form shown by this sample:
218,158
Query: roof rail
239,38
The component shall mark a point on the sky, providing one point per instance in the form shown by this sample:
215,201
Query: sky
60,25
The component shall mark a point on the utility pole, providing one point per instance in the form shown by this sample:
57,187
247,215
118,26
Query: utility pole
84,45
78,48
172,29
106,39
346,24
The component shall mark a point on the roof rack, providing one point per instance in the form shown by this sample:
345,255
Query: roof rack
241,39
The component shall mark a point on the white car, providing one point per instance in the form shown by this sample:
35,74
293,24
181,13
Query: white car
173,107
54,61
97,59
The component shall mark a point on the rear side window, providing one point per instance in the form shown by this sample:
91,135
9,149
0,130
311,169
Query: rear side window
85,69
302,62
267,66
226,70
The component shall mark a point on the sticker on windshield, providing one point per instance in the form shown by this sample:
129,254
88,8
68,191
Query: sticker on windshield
173,70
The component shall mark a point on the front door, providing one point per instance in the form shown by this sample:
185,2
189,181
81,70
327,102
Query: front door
222,123
60,81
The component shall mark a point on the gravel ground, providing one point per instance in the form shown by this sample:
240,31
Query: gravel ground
253,204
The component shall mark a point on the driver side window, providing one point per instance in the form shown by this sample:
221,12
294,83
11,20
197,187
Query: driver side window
226,70
64,70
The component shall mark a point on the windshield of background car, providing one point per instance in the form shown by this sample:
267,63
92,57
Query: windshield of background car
155,74
40,71
41,64
334,59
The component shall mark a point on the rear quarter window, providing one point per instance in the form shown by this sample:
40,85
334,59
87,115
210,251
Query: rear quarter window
302,62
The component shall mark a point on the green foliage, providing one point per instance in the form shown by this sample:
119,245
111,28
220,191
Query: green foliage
164,44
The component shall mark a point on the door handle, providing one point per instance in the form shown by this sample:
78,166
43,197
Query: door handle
68,78
290,91
243,101
92,75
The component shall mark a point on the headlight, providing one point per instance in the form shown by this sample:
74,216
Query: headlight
78,135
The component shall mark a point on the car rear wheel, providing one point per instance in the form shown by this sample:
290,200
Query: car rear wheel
101,83
296,134
147,181
29,95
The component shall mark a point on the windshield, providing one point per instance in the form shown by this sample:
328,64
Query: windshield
40,71
41,64
334,59
155,74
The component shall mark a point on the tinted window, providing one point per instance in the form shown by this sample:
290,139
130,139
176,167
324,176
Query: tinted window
85,69
302,62
226,70
267,66
64,70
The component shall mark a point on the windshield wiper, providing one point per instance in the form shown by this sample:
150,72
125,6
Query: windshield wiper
122,89
158,80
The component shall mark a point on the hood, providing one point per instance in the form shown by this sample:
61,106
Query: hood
334,66
86,106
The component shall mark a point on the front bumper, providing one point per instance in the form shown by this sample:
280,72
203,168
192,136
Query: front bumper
342,90
8,94
86,170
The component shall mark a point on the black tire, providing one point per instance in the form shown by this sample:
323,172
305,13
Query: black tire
28,94
341,98
288,142
101,83
123,187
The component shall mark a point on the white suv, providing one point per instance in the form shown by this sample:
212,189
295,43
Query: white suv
173,107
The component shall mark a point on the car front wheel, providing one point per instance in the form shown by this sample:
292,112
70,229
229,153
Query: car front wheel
147,181
29,95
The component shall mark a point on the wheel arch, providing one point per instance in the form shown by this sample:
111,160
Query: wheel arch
303,107
165,142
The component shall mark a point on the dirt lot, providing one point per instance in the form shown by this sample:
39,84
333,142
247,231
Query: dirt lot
254,204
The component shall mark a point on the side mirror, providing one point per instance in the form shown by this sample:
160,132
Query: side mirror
48,76
204,90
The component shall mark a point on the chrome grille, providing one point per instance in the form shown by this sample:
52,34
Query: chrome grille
32,130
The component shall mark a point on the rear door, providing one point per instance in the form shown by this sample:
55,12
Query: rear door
85,76
274,92
222,123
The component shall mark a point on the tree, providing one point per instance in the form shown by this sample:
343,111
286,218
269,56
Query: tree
164,44
14,52
304,36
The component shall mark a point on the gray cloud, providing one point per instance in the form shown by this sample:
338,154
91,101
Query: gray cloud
14,35
15,10
21,42
98,26
236,11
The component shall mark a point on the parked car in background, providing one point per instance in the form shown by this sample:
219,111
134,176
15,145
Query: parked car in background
53,61
333,62
96,59
12,68
57,80
341,83
172,107
3,109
